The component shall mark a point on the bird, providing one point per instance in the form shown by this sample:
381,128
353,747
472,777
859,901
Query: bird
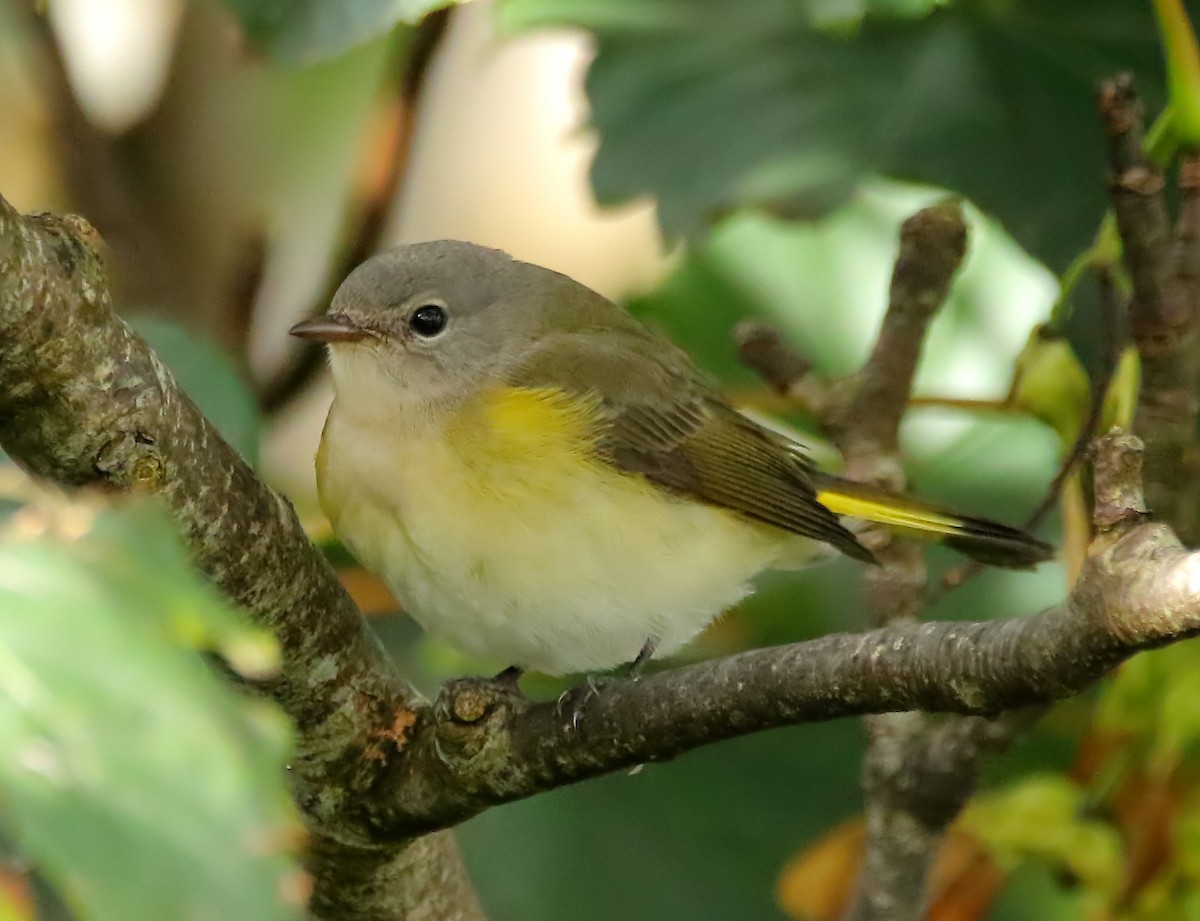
545,482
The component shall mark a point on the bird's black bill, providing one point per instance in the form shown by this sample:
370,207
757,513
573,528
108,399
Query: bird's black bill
332,327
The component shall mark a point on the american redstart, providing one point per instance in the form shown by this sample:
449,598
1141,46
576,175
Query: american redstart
545,482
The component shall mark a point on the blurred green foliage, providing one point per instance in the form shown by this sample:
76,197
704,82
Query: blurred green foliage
1120,829
1154,708
136,779
307,31
1043,818
703,838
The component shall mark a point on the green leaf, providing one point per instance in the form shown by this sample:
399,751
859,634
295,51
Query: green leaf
1042,818
1153,704
1183,70
210,378
765,106
138,780
1050,383
306,31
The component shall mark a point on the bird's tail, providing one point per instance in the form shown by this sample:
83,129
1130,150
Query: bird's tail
986,541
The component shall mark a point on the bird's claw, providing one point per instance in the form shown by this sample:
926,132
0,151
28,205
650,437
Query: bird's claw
577,698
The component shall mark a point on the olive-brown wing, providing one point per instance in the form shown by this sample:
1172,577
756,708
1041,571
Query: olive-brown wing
660,419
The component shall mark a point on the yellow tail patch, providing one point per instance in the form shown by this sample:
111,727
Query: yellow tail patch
892,514
979,538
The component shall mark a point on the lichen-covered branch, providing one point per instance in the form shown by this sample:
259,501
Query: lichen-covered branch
84,402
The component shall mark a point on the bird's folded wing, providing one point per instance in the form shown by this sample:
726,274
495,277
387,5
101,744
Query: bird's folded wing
658,418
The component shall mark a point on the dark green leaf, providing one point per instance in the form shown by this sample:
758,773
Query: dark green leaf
711,105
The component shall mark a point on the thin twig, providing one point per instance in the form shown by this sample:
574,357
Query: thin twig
1110,356
1101,379
1163,310
309,357
763,350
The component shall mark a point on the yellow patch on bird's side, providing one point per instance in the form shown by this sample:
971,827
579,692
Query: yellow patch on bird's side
503,530
545,427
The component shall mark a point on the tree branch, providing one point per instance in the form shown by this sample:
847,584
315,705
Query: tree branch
901,843
1163,313
911,762
932,245
84,402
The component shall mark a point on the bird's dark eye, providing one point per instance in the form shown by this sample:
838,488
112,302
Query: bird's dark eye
428,321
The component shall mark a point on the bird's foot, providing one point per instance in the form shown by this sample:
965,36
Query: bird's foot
572,702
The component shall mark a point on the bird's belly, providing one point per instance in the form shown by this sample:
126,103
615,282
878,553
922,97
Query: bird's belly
557,567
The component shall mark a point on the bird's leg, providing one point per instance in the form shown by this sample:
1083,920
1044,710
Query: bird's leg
644,656
578,696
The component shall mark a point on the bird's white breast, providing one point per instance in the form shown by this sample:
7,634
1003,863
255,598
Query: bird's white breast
497,533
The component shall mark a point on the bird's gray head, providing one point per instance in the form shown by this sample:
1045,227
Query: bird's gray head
434,322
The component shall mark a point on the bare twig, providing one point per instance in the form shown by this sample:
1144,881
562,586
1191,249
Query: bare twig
909,759
309,357
932,245
761,349
1185,280
1101,379
91,161
1099,382
1136,191
1163,311
900,845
